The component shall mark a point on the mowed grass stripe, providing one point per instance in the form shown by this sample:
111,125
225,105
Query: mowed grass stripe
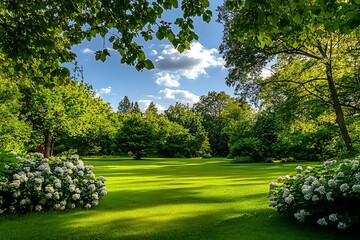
173,199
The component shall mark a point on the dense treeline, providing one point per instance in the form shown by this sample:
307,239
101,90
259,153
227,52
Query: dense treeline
69,118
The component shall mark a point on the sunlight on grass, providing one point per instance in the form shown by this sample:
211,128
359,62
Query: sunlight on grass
171,199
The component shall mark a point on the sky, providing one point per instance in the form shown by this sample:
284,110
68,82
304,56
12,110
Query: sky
176,77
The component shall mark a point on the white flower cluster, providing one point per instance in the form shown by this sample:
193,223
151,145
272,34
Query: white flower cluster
39,184
315,191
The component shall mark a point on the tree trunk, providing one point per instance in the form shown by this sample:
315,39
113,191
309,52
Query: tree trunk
47,143
137,155
337,107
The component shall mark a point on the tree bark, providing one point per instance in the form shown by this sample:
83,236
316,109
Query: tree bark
47,143
337,107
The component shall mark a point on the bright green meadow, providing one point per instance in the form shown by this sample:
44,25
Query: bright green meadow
174,199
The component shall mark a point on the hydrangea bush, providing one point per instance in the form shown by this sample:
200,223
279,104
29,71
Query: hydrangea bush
37,183
328,195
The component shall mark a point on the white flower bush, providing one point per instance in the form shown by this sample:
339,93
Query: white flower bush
37,184
328,195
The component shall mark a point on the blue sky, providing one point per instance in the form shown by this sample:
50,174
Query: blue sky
176,77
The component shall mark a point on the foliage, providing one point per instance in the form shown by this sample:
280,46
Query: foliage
44,32
14,131
247,147
38,183
290,30
135,135
8,161
324,195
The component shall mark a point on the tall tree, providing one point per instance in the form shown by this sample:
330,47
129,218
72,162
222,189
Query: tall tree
289,28
124,105
136,135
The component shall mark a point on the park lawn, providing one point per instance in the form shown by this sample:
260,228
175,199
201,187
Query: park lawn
174,199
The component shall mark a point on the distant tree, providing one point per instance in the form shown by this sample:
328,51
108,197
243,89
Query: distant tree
151,110
211,109
135,108
136,135
124,105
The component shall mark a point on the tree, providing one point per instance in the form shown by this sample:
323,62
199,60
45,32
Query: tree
291,28
151,110
45,31
62,110
186,117
14,131
213,109
124,105
136,135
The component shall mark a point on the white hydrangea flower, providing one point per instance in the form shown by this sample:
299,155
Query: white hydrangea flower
315,198
76,196
333,217
306,189
95,196
92,187
94,203
48,195
23,202
16,194
321,190
15,184
329,196
72,187
344,187
299,168
273,203
81,173
301,215
356,188
37,188
77,190
298,177
87,206
332,183
103,179
322,222
1,211
289,199
72,205
280,179
74,157
49,189
308,196
341,225
273,185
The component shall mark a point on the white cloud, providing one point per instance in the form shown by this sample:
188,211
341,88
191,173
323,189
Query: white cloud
144,103
106,90
180,95
160,108
266,72
87,51
190,64
167,80
153,52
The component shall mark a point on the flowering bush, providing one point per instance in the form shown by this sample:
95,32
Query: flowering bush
37,183
328,195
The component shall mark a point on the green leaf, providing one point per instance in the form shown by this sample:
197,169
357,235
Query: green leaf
298,18
148,64
180,48
159,35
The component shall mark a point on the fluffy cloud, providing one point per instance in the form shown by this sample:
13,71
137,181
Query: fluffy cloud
167,80
144,104
87,51
106,90
153,52
180,95
189,64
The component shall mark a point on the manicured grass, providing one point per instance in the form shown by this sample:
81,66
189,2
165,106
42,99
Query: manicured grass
173,199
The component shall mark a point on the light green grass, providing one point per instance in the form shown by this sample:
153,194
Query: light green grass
173,199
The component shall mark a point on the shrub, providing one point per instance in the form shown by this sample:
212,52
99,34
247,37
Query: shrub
326,195
207,155
37,183
242,159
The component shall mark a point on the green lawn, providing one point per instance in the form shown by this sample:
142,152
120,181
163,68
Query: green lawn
173,199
